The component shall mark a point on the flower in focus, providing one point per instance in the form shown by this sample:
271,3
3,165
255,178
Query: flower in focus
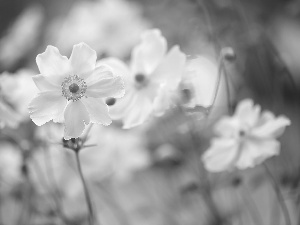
73,90
149,82
198,82
245,139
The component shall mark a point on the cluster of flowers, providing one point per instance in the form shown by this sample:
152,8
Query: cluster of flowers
80,90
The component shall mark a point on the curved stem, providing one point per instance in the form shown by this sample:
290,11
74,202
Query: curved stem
229,105
86,191
220,69
279,196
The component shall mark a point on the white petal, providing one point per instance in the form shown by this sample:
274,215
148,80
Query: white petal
221,155
140,110
256,151
227,127
47,83
46,106
147,55
99,73
83,59
201,78
122,105
108,87
247,113
76,117
170,70
271,128
164,100
51,62
97,110
118,68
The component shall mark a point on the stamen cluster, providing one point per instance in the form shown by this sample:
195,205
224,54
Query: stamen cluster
73,88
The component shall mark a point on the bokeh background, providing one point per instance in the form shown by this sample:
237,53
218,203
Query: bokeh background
151,174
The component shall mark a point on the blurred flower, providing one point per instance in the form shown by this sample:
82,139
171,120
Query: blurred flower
21,37
199,81
112,27
149,82
8,116
18,89
10,167
118,158
246,139
72,90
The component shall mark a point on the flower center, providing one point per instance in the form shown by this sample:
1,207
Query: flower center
140,80
73,88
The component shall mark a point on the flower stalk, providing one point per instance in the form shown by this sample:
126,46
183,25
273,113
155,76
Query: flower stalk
86,191
279,195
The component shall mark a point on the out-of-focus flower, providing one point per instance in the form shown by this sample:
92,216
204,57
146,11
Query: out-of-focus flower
149,82
10,167
22,36
246,139
72,90
18,89
8,116
199,82
117,158
112,27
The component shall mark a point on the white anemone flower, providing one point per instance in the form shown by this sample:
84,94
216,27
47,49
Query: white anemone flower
150,80
73,90
246,139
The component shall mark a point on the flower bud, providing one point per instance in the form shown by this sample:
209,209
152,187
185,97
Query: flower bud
228,54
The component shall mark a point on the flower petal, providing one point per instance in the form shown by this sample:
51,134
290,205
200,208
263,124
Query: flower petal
99,73
118,68
227,127
247,113
51,62
122,105
170,70
108,87
83,59
76,117
147,55
139,113
221,155
47,83
200,78
255,151
272,127
46,106
98,110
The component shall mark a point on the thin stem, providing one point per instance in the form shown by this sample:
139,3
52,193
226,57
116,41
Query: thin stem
220,69
86,191
230,108
279,196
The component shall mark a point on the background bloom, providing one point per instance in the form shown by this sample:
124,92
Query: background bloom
245,139
149,81
73,90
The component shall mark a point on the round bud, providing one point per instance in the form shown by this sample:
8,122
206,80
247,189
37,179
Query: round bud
110,101
228,54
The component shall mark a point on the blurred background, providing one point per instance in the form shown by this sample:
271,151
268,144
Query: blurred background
151,174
